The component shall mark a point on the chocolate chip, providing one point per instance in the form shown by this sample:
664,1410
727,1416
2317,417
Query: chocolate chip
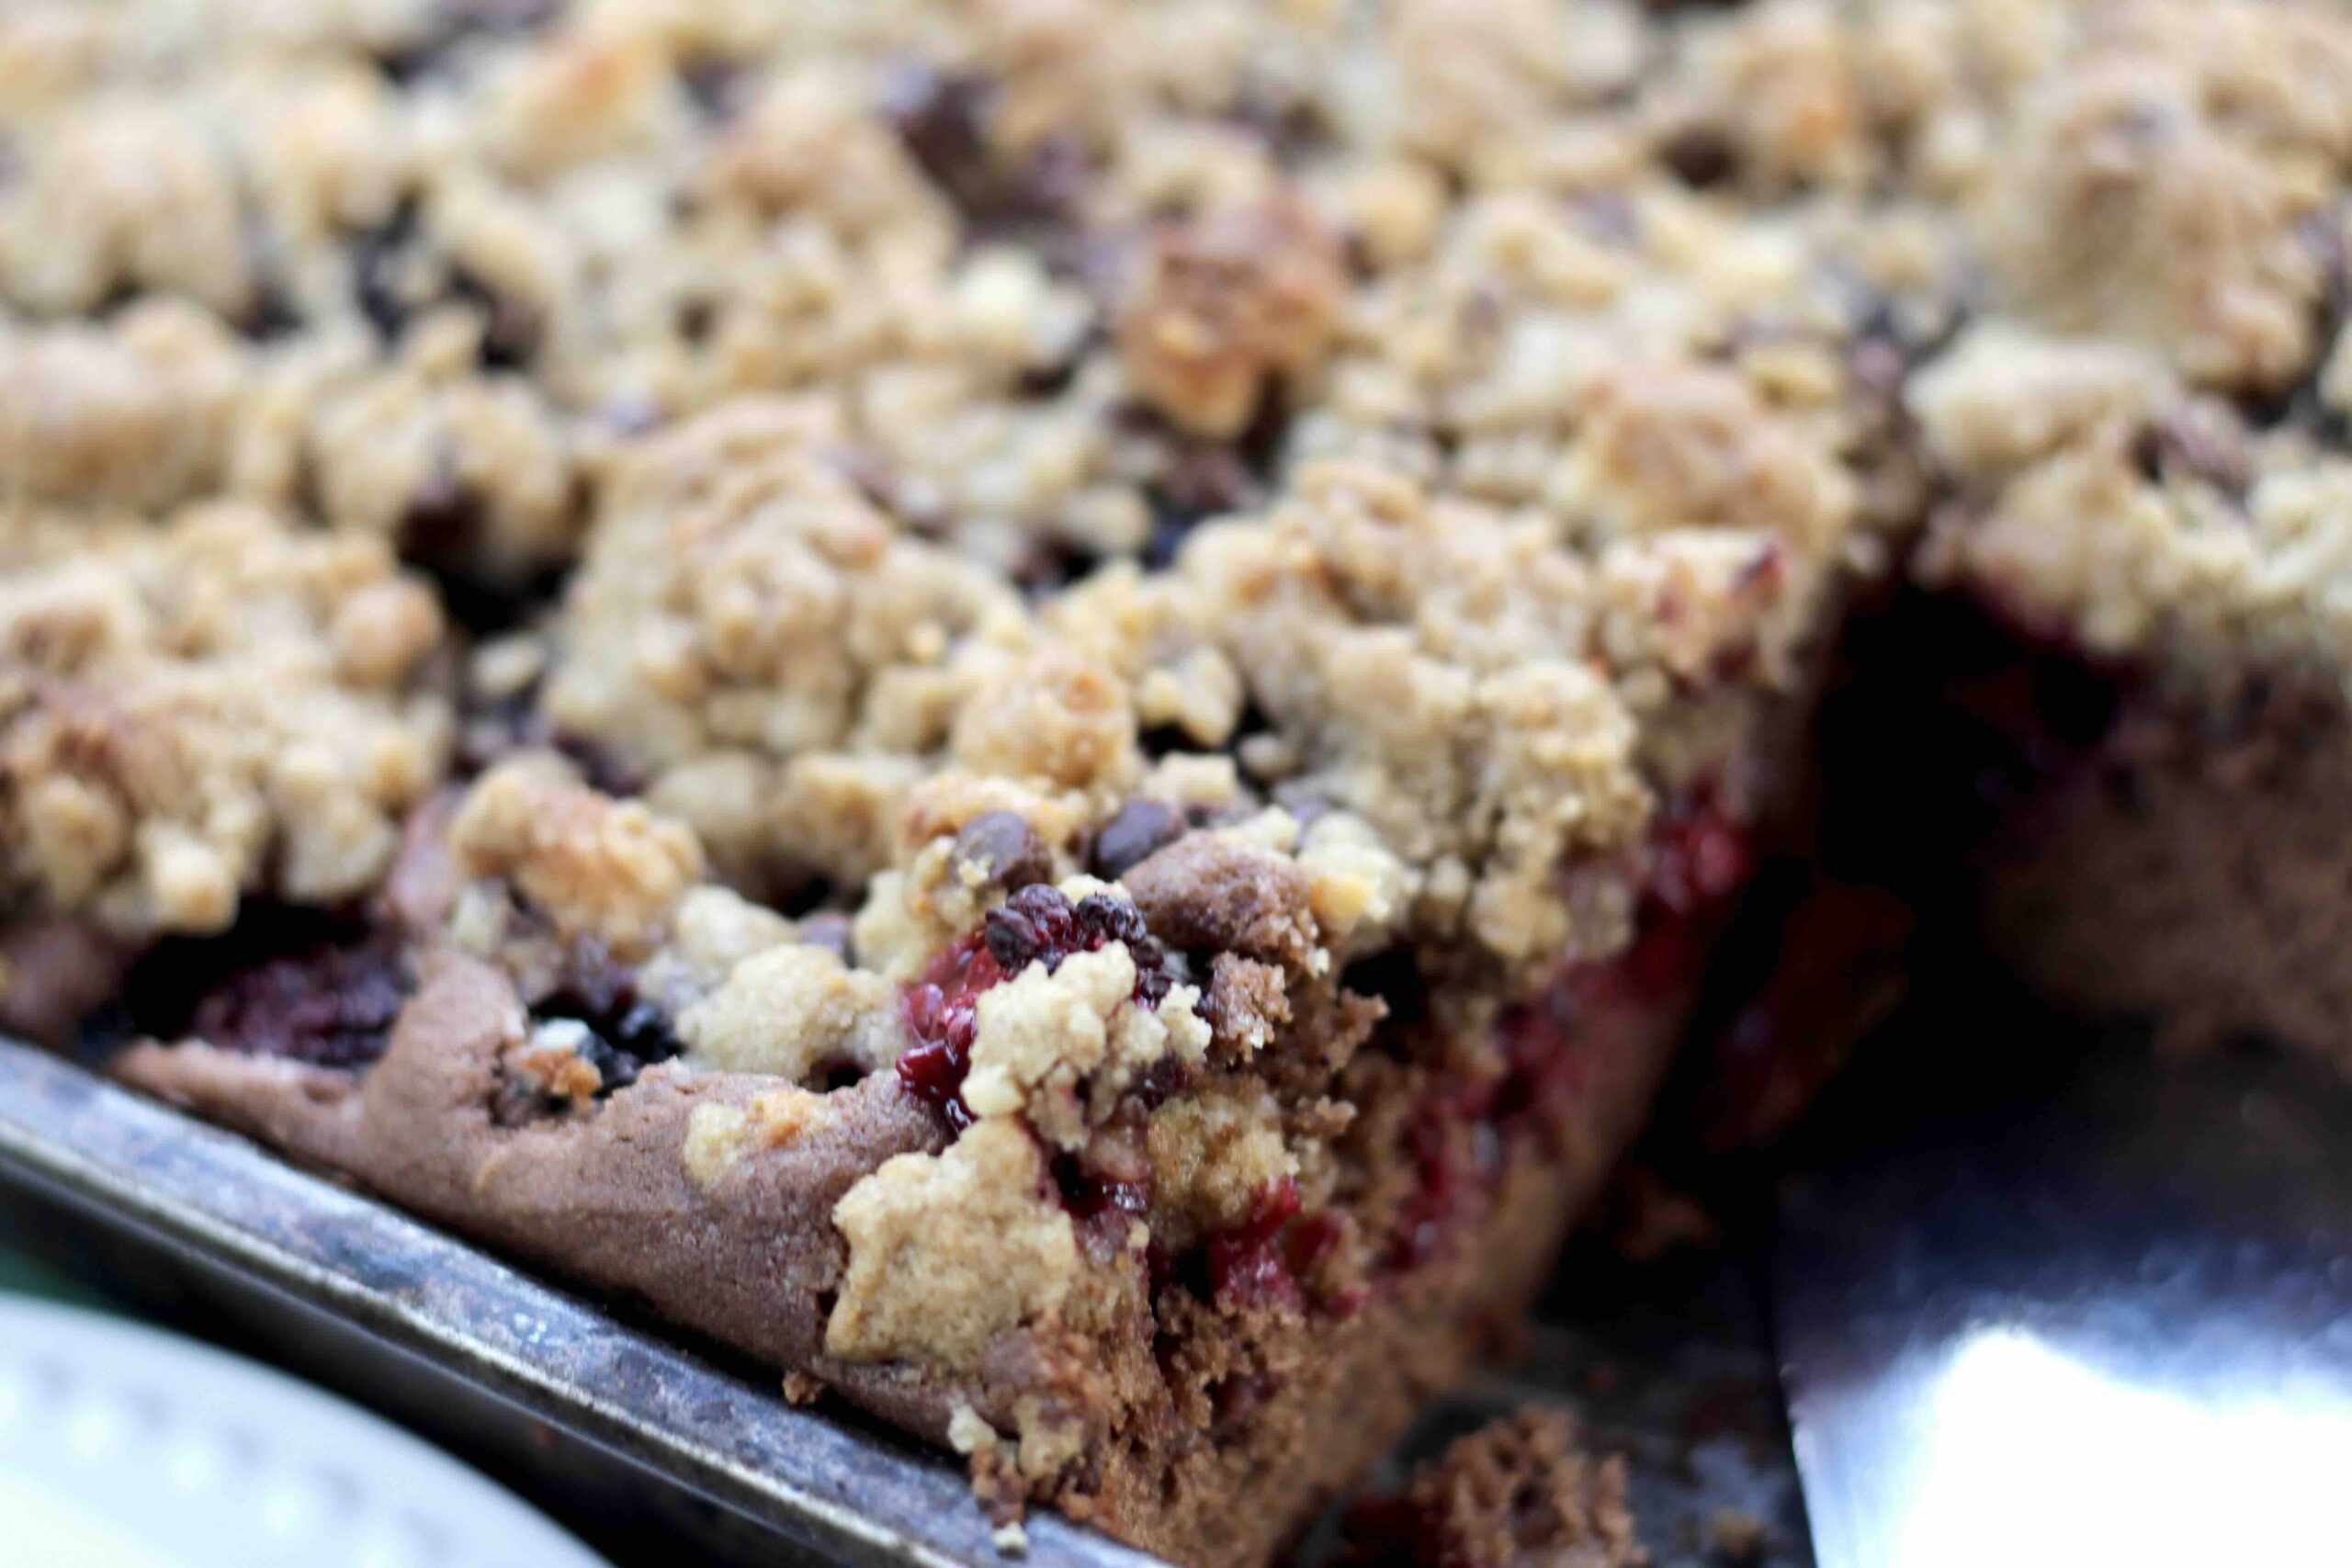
510,329
379,260
831,928
444,519
2202,440
1134,833
693,320
1699,155
456,22
999,848
1049,180
942,120
627,1034
714,84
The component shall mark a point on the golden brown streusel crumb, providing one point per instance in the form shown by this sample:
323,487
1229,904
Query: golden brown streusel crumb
1059,1047
718,1136
209,708
1323,481
136,412
740,599
795,1011
598,868
1212,1154
947,1250
1222,304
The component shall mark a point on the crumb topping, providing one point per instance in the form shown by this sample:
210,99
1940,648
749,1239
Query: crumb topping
1043,1034
1521,1490
1212,1154
719,1136
795,1011
1221,305
212,708
607,870
948,1250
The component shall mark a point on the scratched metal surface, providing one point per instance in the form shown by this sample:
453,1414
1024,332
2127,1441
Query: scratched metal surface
2056,1301
644,1446
655,1452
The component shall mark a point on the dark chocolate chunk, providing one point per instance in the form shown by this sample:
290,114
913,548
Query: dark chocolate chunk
1135,832
999,848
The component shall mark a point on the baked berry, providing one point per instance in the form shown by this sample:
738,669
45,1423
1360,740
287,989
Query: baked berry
939,1012
1038,925
1698,856
331,1007
1247,1265
626,1034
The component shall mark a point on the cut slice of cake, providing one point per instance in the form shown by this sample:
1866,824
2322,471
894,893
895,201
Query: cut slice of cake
1254,962
1042,709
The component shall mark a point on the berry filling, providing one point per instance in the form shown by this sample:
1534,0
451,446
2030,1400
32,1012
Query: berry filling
1039,924
626,1034
331,1007
1249,1266
1462,1136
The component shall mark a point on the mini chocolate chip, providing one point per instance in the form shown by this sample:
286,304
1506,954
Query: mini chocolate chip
1699,155
715,86
444,517
1051,179
1135,832
695,318
378,258
999,848
941,119
831,928
2202,439
510,329
1204,481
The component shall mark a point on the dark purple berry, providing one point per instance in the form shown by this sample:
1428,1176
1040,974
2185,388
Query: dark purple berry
333,1007
1035,923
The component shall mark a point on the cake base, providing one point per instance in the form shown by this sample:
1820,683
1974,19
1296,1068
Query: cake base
1234,1427
1348,1387
2190,875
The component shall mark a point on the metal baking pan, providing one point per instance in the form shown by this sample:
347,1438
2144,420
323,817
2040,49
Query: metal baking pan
656,1453
640,1446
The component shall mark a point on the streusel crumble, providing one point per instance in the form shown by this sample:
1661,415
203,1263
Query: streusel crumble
1048,707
